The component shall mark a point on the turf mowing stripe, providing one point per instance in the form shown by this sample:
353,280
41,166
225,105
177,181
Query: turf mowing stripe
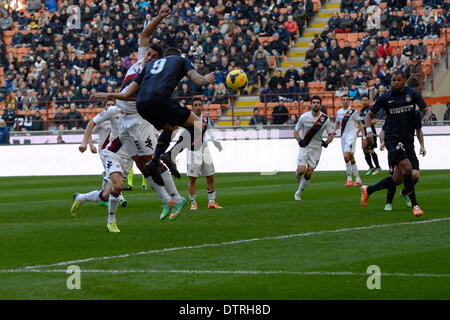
206,245
246,272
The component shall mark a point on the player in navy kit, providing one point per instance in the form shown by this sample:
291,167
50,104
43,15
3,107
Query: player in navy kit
368,148
153,89
399,103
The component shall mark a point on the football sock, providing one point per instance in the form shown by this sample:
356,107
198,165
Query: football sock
121,198
93,196
162,144
113,203
375,160
159,190
368,160
391,193
212,196
144,181
409,188
383,184
404,189
170,187
130,178
348,166
356,172
303,184
192,198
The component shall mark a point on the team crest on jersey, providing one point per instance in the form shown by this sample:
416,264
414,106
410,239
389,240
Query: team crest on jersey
322,119
408,99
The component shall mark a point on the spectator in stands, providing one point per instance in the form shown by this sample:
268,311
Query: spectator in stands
261,67
6,22
421,49
414,73
432,30
347,79
333,81
292,27
409,31
311,52
384,49
408,49
334,21
59,118
37,122
293,119
303,91
408,9
277,79
293,91
320,74
420,29
220,93
395,32
384,76
4,132
399,58
447,114
280,114
292,73
252,79
345,24
9,115
33,5
74,117
257,119
347,5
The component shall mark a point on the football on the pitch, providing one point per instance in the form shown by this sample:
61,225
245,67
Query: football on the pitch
236,80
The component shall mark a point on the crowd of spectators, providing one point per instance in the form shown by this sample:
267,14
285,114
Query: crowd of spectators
364,67
65,64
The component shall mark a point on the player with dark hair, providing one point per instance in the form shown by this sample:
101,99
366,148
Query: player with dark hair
153,89
368,148
348,121
399,103
200,161
308,132
395,172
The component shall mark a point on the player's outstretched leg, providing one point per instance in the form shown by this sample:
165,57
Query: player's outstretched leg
366,191
80,198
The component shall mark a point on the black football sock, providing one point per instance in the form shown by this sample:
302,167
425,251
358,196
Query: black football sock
383,184
375,160
391,193
409,188
368,160
162,144
404,189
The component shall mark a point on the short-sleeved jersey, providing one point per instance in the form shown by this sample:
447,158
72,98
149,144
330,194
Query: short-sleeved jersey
103,129
160,77
348,121
400,110
112,142
132,73
362,117
307,121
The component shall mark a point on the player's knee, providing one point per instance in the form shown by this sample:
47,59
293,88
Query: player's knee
415,175
301,170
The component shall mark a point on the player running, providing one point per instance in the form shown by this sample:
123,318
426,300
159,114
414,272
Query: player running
308,132
116,163
399,104
347,119
395,171
200,161
153,89
368,148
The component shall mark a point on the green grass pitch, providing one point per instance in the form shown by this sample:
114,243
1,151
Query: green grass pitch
261,245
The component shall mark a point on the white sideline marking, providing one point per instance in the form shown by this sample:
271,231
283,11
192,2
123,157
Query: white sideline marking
306,234
246,272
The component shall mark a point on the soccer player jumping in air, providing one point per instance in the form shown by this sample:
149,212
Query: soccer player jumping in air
399,103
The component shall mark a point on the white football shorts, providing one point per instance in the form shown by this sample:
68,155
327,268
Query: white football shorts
348,143
113,163
138,136
309,156
199,163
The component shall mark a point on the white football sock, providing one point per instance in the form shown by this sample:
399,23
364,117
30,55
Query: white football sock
303,184
160,191
192,198
170,187
92,196
348,166
212,196
355,172
113,203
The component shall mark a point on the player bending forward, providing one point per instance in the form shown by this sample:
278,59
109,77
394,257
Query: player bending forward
200,161
308,132
116,163
347,119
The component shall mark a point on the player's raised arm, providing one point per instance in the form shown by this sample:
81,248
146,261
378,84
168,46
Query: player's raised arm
147,33
200,80
128,95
